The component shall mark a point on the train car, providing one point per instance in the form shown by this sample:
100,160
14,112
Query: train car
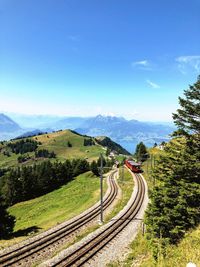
133,166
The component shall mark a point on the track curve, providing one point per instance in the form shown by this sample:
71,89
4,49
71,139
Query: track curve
86,251
24,253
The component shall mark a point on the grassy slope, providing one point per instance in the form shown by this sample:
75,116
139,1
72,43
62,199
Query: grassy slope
148,165
141,255
7,161
126,186
176,256
57,142
48,210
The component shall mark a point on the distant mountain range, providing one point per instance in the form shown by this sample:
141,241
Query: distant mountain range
120,128
8,127
125,132
7,124
47,121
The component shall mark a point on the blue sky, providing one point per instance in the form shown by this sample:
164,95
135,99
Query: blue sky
85,57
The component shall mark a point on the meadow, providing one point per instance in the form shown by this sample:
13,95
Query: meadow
57,142
41,213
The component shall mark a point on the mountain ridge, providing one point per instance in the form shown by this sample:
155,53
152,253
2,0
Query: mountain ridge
121,130
7,124
125,132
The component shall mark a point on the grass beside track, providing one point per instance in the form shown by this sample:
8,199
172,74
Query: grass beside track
55,207
177,256
141,253
126,184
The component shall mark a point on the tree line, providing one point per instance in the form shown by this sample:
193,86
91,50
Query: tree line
106,164
88,142
27,182
44,153
23,146
175,201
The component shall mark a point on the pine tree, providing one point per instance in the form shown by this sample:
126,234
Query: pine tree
175,202
94,168
7,221
12,189
187,117
141,152
68,173
108,150
99,162
69,144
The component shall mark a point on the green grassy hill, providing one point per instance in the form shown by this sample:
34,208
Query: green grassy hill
47,210
43,212
57,142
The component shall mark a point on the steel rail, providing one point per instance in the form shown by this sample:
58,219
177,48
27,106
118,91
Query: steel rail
82,254
27,250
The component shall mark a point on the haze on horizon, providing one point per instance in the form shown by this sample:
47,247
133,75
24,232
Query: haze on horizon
84,58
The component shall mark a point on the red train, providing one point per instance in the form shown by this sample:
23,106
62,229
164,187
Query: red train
133,166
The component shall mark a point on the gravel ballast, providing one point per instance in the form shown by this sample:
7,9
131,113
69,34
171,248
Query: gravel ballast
118,247
70,238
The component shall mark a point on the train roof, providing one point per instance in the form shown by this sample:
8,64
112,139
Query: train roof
133,163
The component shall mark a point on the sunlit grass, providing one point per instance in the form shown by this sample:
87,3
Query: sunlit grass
141,254
55,207
126,184
57,142
188,250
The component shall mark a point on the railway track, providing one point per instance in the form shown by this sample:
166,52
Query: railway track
81,255
26,254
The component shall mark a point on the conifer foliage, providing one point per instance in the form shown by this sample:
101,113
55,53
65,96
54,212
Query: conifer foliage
141,152
175,201
7,221
23,146
187,117
27,182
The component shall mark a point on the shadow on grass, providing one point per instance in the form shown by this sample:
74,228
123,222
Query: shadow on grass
27,231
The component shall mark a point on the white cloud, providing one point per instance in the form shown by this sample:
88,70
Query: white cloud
186,63
142,64
152,84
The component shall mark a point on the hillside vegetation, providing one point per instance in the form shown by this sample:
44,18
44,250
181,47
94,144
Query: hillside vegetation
172,256
175,200
43,212
65,144
172,218
141,250
58,142
107,142
34,166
